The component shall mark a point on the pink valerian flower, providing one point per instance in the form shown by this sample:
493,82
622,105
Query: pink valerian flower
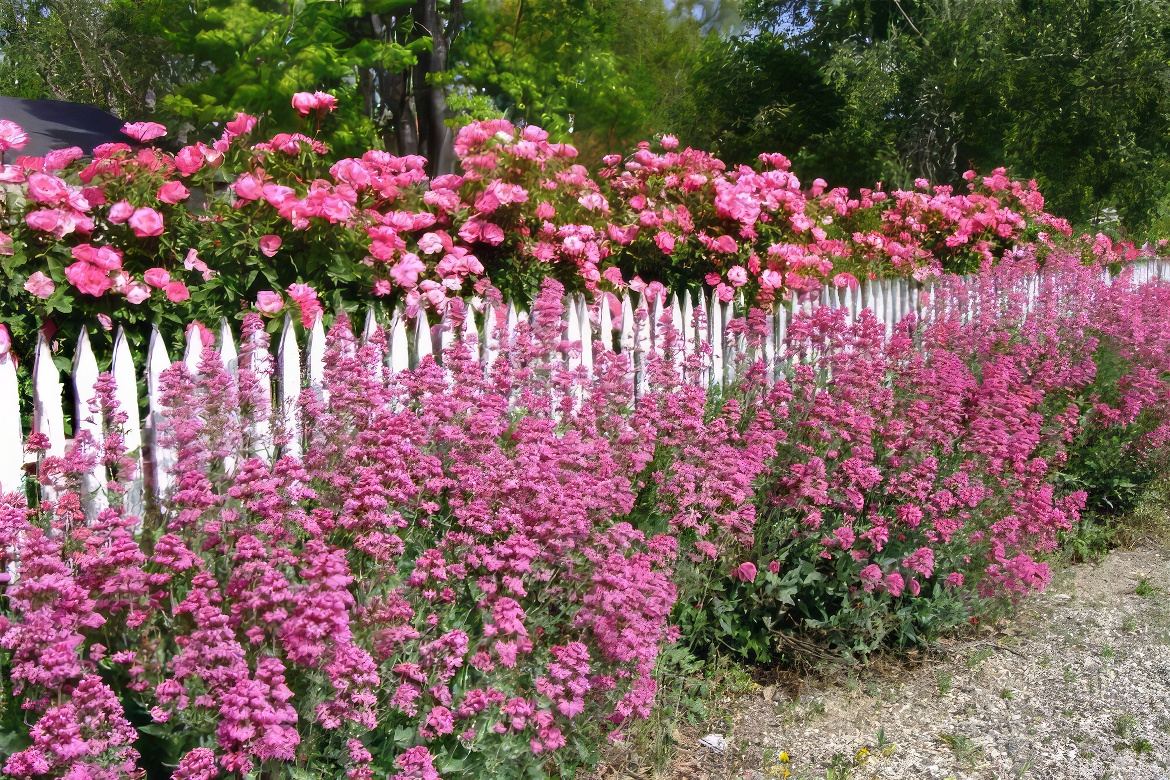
144,131
86,731
197,764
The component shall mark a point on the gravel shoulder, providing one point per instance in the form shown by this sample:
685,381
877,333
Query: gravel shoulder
1075,685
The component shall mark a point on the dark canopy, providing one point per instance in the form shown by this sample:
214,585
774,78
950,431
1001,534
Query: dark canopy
57,124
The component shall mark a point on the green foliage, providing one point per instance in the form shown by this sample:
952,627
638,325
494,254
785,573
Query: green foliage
106,54
1074,93
254,55
602,73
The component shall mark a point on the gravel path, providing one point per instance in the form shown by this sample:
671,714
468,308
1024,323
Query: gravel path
1077,685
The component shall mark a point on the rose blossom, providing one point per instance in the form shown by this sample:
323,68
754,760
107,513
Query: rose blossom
137,292
146,222
12,135
144,131
173,192
269,244
120,212
746,572
40,285
269,302
88,278
177,292
157,277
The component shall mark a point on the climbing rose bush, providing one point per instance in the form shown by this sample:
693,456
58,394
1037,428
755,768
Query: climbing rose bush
151,231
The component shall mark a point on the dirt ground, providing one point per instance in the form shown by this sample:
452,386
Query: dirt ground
1076,685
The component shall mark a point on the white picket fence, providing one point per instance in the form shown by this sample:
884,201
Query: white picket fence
634,332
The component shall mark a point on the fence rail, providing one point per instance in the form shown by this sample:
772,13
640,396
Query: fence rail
632,330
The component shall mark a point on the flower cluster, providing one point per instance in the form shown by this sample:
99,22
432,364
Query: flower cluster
238,222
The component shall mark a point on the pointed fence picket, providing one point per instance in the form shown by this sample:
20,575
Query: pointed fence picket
636,326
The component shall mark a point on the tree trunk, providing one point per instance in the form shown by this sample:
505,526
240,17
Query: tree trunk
434,137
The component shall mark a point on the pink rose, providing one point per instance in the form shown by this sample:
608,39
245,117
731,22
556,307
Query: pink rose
177,292
774,567
88,278
146,222
94,196
5,341
105,321
665,242
157,277
669,142
325,101
405,272
269,244
895,584
173,192
6,244
746,572
120,212
306,298
48,220
248,187
430,243
144,131
12,135
205,337
40,285
189,160
46,188
137,292
871,575
737,275
243,123
193,263
304,102
104,257
269,302
59,159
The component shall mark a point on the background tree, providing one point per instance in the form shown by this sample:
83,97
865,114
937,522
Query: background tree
107,53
